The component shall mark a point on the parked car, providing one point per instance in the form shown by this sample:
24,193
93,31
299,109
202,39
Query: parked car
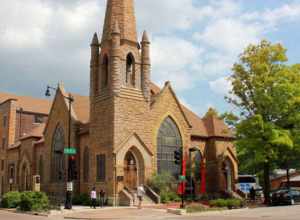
285,197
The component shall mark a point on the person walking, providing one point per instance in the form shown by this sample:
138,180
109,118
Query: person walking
93,197
140,194
102,198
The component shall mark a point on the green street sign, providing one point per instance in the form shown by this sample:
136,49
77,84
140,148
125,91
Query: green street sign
182,178
70,151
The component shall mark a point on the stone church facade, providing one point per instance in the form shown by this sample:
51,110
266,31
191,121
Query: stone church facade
126,130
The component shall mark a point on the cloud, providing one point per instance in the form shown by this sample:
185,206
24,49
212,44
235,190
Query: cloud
47,41
172,57
221,86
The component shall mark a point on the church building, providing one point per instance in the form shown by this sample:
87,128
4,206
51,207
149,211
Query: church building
124,132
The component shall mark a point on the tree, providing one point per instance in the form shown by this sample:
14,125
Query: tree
267,93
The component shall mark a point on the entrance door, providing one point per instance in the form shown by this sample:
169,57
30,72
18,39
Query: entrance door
130,172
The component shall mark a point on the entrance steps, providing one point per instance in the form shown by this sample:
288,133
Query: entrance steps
129,197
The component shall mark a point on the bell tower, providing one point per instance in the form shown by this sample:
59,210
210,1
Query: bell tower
119,83
120,61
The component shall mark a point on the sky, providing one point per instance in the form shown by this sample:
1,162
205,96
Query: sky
194,43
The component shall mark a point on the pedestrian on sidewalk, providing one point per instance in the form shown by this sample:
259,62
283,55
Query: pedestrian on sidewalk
93,197
102,198
140,194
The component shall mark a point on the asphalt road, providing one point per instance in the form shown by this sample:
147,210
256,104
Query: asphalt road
273,213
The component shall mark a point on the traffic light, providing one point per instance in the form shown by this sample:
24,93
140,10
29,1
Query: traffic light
178,156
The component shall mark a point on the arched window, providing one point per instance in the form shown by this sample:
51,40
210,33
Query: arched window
104,71
130,70
86,164
168,140
41,168
58,162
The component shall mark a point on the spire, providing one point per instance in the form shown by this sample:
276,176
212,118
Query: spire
95,40
145,37
122,12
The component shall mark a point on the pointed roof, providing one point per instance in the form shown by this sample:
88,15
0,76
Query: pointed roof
121,12
95,40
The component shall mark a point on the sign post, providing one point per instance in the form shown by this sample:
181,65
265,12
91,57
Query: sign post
70,151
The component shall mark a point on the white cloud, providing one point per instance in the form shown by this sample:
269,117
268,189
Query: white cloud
282,14
171,59
23,24
220,86
229,34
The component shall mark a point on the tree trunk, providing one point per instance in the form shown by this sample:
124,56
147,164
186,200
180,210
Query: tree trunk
267,185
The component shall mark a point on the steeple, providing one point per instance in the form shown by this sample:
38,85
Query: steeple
120,12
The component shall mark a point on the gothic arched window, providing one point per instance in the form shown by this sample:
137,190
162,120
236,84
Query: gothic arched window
86,164
105,71
130,70
58,161
168,140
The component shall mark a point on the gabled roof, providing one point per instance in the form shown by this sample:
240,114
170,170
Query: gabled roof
27,103
202,127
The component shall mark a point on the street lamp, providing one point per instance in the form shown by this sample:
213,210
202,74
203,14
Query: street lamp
68,203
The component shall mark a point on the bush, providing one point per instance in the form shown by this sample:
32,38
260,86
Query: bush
229,203
11,200
34,201
162,182
169,196
82,199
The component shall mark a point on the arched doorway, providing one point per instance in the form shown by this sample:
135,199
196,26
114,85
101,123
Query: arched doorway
228,175
130,171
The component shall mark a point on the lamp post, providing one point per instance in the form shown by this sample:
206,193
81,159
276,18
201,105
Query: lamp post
68,202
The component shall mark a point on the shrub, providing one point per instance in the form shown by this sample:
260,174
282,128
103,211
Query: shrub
11,200
162,182
82,199
169,196
229,203
34,201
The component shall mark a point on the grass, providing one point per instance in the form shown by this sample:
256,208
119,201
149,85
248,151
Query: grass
201,208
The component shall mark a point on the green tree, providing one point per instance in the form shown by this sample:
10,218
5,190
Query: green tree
266,90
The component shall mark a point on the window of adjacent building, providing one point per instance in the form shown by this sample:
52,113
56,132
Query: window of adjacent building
101,168
168,140
4,121
38,119
3,143
86,165
58,158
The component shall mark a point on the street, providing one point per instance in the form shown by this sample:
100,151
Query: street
273,213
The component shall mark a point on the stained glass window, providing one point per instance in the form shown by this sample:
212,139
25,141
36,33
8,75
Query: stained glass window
168,140
58,161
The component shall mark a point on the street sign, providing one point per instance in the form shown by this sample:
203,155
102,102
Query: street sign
69,186
182,178
70,151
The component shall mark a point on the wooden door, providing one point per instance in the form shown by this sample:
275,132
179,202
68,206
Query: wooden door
130,172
